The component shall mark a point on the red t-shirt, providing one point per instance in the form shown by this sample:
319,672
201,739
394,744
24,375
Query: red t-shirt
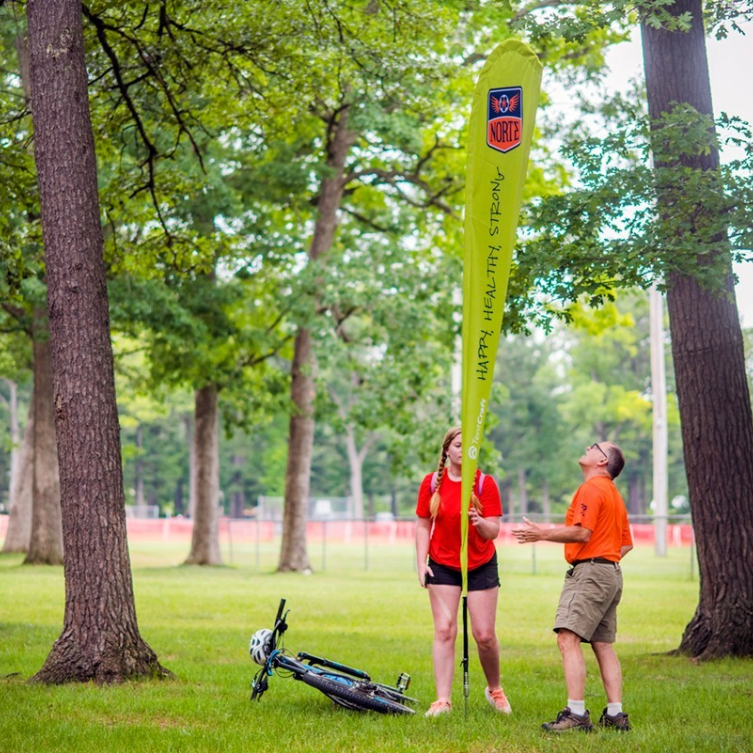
444,545
598,506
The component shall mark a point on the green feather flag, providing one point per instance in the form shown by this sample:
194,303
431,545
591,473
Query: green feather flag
501,126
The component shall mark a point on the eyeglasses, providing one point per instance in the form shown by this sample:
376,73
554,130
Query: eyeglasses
596,445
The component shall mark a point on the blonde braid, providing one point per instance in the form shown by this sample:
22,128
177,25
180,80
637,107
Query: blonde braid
435,498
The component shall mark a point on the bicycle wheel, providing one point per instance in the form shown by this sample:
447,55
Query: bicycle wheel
354,695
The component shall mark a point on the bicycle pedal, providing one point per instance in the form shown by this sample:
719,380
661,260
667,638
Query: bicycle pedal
403,681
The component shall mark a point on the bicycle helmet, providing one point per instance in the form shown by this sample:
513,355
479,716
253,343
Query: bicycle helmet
261,643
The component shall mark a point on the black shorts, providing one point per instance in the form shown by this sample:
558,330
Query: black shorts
481,578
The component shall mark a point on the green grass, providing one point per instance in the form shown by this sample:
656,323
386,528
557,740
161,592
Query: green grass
199,621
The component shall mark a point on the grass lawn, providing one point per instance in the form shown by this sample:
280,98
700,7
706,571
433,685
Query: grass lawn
199,621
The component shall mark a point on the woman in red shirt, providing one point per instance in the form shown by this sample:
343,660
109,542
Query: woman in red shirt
438,563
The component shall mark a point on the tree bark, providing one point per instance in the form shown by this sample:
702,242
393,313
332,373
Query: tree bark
293,553
18,534
712,389
100,640
205,539
46,539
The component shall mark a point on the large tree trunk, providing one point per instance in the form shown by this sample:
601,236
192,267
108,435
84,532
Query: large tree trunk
46,539
712,389
293,555
205,540
100,640
18,534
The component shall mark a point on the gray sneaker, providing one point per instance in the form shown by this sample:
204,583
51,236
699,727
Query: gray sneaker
566,720
618,721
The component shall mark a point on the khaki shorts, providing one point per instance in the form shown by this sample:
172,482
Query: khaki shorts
588,603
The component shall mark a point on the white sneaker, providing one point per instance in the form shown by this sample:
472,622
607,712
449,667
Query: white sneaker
439,707
498,700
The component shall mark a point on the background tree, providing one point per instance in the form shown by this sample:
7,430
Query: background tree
679,224
707,342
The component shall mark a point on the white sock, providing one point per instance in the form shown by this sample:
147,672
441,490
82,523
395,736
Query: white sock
577,707
614,708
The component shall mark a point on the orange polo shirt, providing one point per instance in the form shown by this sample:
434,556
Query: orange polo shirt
598,506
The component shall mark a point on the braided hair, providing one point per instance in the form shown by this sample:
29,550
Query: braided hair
436,498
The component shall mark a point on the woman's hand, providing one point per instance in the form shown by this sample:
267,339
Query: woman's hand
488,528
423,571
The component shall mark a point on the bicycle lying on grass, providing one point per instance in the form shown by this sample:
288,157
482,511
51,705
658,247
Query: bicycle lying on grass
349,687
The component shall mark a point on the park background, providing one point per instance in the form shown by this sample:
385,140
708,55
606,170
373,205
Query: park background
557,390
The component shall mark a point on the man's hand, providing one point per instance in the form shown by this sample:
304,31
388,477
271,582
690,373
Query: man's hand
529,534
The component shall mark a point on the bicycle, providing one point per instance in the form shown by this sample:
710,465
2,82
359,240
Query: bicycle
347,686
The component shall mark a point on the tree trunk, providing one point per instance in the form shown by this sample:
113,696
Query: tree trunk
191,465
138,467
178,501
100,640
205,540
546,500
18,534
634,494
237,500
712,389
522,491
15,434
293,554
356,460
46,539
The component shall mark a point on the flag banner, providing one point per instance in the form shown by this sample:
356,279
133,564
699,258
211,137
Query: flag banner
499,140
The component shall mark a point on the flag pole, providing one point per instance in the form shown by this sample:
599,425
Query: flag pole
466,679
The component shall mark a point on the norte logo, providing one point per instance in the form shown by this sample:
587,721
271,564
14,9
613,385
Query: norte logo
504,122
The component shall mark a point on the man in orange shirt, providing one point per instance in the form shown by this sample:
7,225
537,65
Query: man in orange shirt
596,536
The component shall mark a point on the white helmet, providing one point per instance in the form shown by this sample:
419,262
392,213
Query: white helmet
261,645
